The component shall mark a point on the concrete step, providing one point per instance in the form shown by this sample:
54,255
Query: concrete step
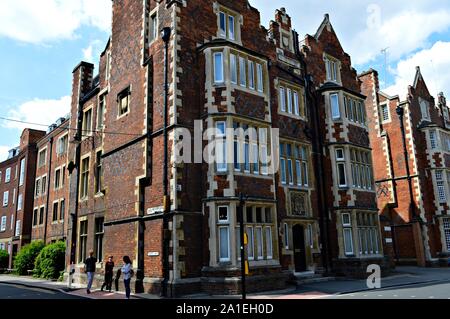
311,278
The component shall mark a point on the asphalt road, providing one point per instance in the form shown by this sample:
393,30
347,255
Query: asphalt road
439,290
20,292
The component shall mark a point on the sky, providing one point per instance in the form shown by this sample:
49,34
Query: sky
42,41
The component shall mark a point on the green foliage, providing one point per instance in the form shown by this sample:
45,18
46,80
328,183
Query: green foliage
4,259
50,262
26,257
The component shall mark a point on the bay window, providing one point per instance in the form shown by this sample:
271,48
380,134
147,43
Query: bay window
218,68
335,109
221,147
341,170
347,234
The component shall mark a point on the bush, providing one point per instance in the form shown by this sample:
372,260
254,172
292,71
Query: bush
26,257
4,259
50,261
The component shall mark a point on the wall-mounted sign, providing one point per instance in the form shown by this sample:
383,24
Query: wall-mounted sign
387,228
155,210
388,240
153,254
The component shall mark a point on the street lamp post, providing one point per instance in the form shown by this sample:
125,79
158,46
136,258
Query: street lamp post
240,214
165,35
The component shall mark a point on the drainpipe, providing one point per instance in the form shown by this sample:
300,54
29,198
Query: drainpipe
49,173
165,34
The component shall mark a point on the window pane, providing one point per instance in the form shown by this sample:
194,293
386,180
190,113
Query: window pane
231,27
335,111
283,170
348,241
289,100
259,243
259,70
291,172
282,99
247,157
242,72
298,169
269,249
222,22
296,104
233,68
224,242
341,175
251,74
251,243
218,67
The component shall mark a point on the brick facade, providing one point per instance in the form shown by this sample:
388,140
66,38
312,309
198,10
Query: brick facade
299,216
421,223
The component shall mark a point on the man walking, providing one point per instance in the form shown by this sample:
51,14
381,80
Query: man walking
89,266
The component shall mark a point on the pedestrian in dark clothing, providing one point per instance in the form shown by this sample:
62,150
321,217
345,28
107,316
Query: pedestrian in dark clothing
127,272
109,272
89,266
116,281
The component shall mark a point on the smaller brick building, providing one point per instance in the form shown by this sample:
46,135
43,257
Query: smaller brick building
17,175
416,231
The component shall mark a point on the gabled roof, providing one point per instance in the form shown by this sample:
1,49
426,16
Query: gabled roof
326,24
419,78
387,96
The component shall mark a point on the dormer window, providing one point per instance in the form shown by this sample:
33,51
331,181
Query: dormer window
228,24
425,109
332,69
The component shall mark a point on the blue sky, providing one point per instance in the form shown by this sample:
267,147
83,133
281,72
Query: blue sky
42,41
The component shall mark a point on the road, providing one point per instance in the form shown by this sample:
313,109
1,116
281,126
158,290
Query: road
20,292
437,290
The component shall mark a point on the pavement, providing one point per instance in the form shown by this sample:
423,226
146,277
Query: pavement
401,278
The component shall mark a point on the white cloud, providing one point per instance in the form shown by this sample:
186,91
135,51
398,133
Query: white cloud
4,152
48,20
96,47
433,62
38,111
367,26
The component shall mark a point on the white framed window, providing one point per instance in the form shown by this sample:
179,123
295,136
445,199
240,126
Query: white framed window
347,234
62,144
231,28
218,68
283,170
385,114
12,222
247,157
8,175
242,72
425,109
269,242
222,24
22,172
440,186
368,234
100,113
335,109
332,69
44,185
341,168
223,220
84,187
260,77
233,69
87,123
18,227
37,187
446,224
251,74
433,140
255,160
57,183
282,99
259,242
296,104
62,209
5,198
153,27
19,202
289,100
3,223
264,151
221,146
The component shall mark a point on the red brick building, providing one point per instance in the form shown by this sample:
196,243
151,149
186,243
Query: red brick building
417,230
50,189
17,175
298,152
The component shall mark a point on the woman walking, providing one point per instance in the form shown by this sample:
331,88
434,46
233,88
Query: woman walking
109,272
127,272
